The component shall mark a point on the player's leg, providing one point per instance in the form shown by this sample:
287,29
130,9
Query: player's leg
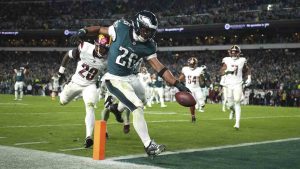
125,93
16,90
224,98
161,96
89,95
156,95
151,94
126,117
21,90
237,95
200,95
230,102
70,91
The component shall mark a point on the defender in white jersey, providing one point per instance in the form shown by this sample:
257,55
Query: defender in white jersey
235,68
92,62
192,74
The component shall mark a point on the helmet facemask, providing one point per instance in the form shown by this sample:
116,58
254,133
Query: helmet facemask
234,52
145,25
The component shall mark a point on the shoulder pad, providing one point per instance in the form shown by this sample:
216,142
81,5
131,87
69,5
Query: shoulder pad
84,46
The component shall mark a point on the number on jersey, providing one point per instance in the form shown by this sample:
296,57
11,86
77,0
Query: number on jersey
192,79
125,60
91,72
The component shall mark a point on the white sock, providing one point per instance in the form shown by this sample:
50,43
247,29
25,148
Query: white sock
140,126
126,114
21,94
89,119
237,109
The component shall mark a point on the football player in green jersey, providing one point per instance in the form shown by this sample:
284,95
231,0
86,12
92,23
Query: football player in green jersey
20,77
132,41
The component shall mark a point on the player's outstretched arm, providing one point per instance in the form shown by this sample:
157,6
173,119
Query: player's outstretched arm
166,74
92,30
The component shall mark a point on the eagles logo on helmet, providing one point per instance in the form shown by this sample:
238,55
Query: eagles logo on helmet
145,25
234,51
102,44
193,62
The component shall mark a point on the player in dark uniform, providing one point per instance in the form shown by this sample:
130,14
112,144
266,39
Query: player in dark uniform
132,41
20,77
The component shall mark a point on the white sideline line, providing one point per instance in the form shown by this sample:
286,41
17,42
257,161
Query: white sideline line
209,148
14,104
46,125
3,137
155,121
46,113
29,143
72,149
159,112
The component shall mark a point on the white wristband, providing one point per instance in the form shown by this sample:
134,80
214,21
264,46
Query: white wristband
249,77
61,69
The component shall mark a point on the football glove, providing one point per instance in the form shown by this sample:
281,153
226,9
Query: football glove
61,78
77,38
181,87
248,81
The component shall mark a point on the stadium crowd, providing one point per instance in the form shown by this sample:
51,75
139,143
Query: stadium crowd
255,38
76,14
275,72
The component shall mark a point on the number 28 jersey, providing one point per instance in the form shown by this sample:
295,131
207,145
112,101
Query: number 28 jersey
88,67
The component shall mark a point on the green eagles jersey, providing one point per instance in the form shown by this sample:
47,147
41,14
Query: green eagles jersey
159,82
19,76
125,52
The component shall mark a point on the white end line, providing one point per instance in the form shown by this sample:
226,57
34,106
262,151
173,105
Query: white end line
72,149
29,143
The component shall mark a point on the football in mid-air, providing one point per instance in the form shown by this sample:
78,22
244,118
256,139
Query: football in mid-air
185,99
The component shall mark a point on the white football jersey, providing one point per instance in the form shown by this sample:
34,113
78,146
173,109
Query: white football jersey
192,76
235,65
144,78
89,67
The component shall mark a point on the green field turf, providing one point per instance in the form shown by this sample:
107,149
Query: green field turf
58,128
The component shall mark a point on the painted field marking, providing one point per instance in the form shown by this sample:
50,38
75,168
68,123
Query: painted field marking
24,104
15,157
209,148
3,137
160,113
45,125
72,149
155,121
46,113
30,143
